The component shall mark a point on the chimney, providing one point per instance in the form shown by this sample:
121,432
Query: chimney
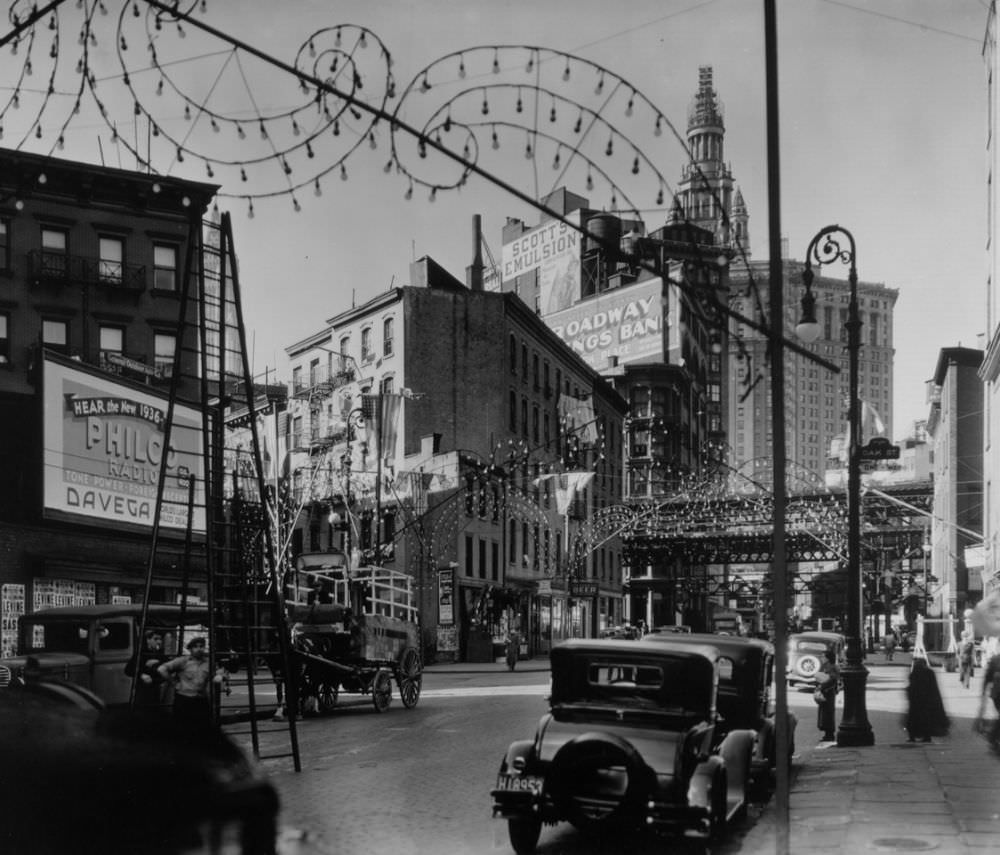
474,272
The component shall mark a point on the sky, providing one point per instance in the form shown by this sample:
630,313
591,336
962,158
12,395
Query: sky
882,112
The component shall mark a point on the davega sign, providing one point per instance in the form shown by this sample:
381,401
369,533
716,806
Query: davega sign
104,446
624,322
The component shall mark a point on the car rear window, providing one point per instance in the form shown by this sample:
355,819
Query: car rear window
62,636
811,646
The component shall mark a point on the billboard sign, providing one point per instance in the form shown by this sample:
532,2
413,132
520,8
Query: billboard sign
553,249
104,445
623,322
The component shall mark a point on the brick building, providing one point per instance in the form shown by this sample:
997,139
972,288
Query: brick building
91,266
479,400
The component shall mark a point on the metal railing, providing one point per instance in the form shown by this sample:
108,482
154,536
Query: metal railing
58,268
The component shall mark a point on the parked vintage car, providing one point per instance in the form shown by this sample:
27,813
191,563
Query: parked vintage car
746,674
631,739
807,651
93,645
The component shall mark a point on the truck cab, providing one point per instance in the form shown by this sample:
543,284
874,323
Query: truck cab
91,646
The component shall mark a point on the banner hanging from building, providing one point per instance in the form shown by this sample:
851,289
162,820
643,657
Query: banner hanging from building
104,446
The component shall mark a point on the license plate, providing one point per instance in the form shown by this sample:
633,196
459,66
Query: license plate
520,784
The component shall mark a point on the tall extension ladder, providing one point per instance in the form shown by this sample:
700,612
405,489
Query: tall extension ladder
248,629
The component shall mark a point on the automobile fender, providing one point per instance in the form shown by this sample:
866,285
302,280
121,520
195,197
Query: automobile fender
708,776
736,753
523,750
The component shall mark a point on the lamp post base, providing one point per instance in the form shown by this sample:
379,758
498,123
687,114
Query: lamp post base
854,729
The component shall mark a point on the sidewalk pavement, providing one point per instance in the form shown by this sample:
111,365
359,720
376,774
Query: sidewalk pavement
894,796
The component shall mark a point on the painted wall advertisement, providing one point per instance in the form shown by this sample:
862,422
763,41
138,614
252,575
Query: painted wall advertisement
104,445
624,322
553,249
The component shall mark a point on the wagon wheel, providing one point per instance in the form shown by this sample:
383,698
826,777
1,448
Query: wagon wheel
326,697
409,677
382,689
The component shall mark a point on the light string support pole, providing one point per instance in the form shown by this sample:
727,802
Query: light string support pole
827,247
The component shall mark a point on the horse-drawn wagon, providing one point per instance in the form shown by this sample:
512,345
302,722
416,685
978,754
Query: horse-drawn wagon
357,632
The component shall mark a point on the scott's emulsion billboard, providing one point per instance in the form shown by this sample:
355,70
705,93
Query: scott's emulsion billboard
553,249
624,322
104,445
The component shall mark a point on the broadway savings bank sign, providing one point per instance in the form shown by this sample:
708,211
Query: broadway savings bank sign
625,322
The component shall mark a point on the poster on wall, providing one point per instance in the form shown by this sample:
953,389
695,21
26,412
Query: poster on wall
104,445
12,603
446,596
447,639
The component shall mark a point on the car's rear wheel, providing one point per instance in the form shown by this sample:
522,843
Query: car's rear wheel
597,777
523,832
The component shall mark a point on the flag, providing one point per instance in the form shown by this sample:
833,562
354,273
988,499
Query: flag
381,422
577,416
871,422
390,425
568,484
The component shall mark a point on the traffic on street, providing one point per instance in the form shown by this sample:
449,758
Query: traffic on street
418,781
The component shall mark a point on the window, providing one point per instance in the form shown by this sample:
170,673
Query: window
4,338
4,244
55,260
513,355
367,353
296,379
534,372
387,386
111,340
314,372
55,335
164,267
164,347
110,264
512,418
387,335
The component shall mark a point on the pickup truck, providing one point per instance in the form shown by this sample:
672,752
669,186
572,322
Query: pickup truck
92,646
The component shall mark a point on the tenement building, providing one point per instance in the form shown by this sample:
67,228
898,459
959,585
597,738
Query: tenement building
91,267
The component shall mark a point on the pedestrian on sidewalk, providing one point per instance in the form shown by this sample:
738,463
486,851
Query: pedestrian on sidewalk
991,690
825,694
192,685
966,659
889,645
925,714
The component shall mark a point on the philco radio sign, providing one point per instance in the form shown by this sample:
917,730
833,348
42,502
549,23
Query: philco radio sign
105,445
626,323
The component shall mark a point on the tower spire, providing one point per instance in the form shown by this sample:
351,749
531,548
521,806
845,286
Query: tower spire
705,190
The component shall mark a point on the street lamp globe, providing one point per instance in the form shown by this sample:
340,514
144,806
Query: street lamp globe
807,329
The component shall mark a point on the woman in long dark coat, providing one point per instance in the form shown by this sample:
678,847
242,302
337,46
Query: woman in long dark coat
828,682
925,716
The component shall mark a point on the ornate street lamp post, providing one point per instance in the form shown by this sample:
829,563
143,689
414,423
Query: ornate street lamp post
826,248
